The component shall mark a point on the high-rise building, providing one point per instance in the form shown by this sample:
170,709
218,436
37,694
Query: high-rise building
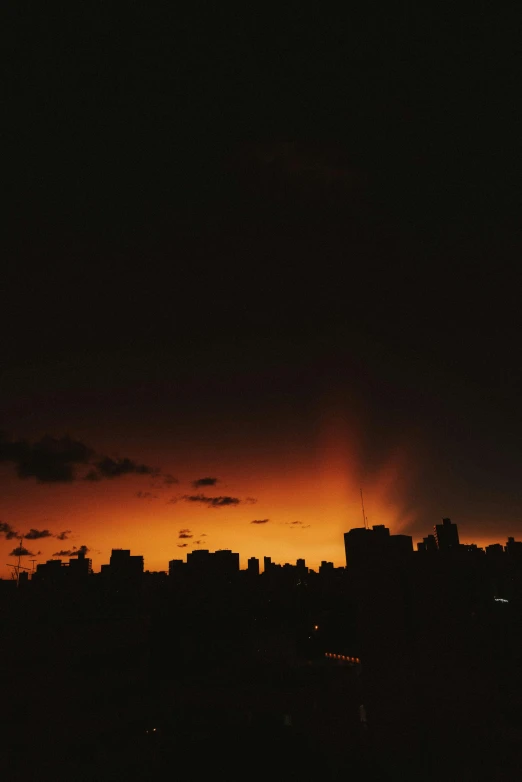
50,573
125,572
176,567
326,567
253,566
368,546
429,543
495,550
225,561
514,548
221,563
301,566
267,564
447,535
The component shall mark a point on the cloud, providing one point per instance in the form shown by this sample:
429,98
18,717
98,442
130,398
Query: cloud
203,535
63,535
212,502
250,500
298,525
146,495
182,545
115,468
35,534
72,552
49,460
185,533
197,484
169,480
56,459
21,551
260,521
7,530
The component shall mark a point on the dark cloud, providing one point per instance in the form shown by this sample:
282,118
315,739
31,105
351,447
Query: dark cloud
146,495
212,502
298,525
7,530
56,459
63,535
250,500
203,535
169,480
34,534
197,484
49,460
185,533
115,468
21,551
182,545
72,552
260,521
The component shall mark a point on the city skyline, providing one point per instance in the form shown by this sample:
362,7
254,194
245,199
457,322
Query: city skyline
64,541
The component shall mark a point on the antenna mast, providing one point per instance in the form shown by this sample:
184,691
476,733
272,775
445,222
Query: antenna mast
17,568
365,520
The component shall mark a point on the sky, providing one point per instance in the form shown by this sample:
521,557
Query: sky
279,254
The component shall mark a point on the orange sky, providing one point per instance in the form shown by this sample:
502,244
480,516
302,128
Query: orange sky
318,486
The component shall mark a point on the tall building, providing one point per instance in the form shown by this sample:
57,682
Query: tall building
226,562
267,564
125,572
253,566
369,546
514,548
176,567
326,567
429,543
301,566
447,535
495,550
198,560
51,572
217,564
80,567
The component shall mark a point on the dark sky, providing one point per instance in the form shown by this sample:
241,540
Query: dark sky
217,217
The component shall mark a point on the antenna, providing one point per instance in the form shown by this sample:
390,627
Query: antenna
365,520
18,567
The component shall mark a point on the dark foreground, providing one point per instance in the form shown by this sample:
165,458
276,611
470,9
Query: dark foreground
204,690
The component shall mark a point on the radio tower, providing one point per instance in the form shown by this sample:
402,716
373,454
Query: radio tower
365,520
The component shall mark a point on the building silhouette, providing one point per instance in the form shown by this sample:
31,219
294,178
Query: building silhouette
124,572
176,568
367,546
429,544
54,572
447,535
253,566
220,564
513,549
